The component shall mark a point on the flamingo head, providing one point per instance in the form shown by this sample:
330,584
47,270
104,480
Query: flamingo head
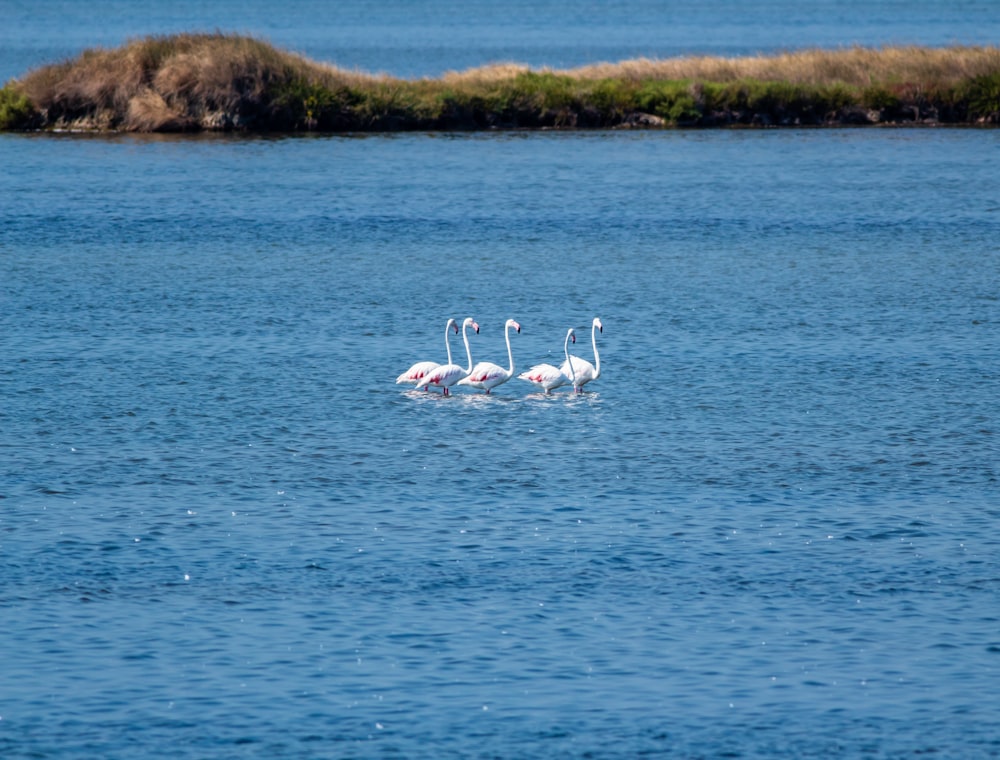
572,335
452,323
598,325
470,322
515,325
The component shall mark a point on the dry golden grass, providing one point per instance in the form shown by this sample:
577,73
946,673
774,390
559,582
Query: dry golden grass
853,66
148,112
480,76
175,82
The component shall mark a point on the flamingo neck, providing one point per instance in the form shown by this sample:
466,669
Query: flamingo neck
572,370
597,356
510,354
447,341
468,351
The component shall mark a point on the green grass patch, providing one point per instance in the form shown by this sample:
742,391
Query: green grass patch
674,101
16,111
983,96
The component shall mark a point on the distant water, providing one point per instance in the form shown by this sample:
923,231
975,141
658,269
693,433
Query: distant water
428,38
770,527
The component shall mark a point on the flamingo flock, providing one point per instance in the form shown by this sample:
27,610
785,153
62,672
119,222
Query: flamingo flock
486,376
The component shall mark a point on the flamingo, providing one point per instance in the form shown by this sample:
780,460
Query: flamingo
487,375
581,370
547,376
448,374
420,369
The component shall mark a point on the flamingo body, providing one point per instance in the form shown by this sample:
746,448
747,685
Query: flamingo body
417,372
583,370
548,377
487,375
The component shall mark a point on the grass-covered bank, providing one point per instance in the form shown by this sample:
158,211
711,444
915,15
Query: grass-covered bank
231,82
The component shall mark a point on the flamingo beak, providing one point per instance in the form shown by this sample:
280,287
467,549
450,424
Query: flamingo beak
456,328
573,338
475,327
517,327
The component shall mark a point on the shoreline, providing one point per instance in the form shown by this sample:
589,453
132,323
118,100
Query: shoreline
189,83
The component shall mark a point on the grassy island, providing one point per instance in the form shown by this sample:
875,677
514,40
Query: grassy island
222,82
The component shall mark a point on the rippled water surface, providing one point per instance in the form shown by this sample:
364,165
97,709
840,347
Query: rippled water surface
427,38
769,527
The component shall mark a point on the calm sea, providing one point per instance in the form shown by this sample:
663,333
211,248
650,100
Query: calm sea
412,38
771,528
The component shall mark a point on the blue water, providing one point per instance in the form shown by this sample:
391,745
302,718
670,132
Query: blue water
410,38
770,528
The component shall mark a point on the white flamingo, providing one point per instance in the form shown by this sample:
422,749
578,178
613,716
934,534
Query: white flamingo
419,370
487,375
448,374
547,376
581,370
